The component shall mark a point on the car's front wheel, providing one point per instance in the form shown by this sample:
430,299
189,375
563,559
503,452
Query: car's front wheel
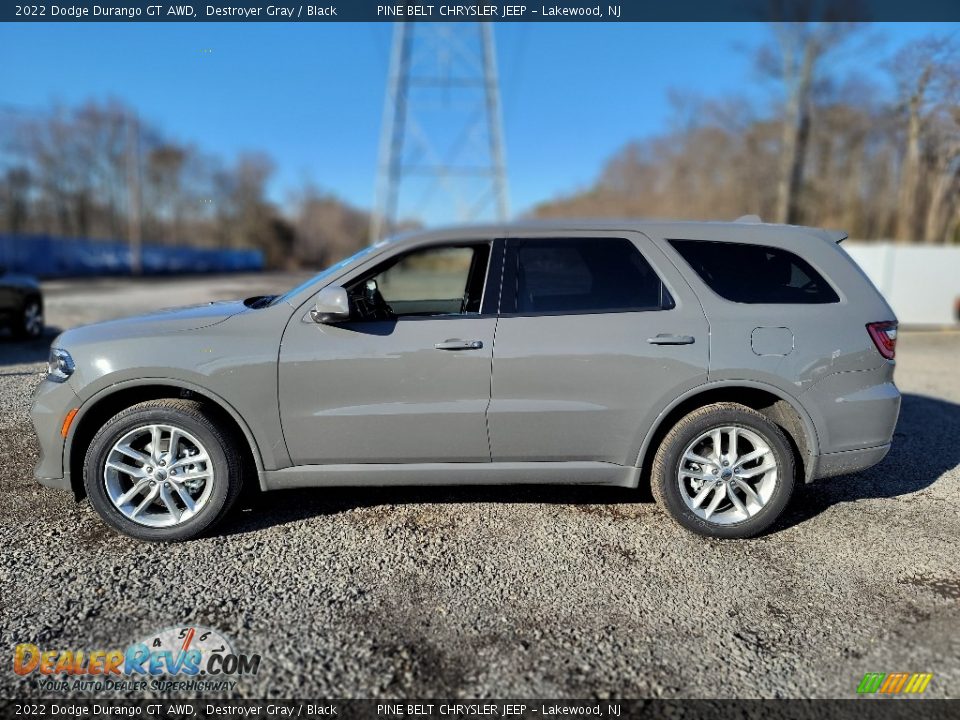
724,471
162,470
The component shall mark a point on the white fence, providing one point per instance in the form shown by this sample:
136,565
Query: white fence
921,283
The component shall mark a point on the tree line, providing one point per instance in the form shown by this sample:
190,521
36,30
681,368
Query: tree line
99,171
837,152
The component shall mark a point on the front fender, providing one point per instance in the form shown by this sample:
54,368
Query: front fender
267,454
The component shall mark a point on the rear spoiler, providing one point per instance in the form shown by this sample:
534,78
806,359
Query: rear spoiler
837,236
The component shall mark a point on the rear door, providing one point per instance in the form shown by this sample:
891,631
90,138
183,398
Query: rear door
596,334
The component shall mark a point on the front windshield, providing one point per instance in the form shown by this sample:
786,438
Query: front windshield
333,269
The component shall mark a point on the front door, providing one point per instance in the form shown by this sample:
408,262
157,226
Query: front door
590,343
407,378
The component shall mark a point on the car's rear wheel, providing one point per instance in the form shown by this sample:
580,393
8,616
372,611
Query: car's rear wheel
162,470
29,322
724,471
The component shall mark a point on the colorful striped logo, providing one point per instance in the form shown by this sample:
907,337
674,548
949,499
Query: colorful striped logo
894,683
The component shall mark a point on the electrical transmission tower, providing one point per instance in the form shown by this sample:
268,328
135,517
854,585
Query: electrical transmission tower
441,148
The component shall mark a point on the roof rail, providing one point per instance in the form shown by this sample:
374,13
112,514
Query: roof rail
749,219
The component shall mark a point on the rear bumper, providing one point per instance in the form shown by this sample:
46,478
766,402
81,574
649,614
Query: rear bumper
848,461
855,414
854,411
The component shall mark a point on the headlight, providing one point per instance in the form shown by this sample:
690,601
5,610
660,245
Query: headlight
60,365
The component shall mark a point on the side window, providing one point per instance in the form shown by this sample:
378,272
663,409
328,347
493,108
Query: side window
434,281
584,275
755,273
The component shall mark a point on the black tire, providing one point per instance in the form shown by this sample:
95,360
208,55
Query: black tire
188,415
666,466
22,326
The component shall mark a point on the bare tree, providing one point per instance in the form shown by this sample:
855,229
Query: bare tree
163,188
943,168
327,229
796,58
927,72
15,200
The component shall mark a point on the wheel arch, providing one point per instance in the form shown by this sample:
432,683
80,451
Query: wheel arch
782,409
108,402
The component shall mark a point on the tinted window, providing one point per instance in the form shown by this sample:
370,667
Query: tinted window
434,281
755,273
584,275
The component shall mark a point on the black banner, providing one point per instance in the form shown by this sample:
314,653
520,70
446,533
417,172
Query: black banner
432,709
514,11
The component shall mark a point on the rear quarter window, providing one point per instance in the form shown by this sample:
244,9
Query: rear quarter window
755,274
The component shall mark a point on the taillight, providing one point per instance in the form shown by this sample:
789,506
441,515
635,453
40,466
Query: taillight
884,336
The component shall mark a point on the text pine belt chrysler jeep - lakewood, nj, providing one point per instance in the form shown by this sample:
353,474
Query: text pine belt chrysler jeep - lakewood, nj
722,363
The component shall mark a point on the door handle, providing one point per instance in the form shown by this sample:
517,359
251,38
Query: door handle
459,345
665,339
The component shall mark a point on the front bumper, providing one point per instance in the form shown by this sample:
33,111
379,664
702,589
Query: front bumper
51,403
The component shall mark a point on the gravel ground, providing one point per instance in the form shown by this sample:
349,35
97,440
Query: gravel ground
506,592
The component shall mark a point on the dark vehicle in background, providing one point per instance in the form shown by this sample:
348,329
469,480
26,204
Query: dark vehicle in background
21,305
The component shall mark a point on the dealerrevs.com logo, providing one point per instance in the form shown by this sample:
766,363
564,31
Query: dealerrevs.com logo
202,658
899,683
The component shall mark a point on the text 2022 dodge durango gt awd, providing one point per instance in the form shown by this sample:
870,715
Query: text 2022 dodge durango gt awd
721,362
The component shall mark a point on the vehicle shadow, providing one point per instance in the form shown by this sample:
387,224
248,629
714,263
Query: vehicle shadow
923,450
14,351
258,510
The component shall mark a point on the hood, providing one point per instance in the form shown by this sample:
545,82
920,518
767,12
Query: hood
161,322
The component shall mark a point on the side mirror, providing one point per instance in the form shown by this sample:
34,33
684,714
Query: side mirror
332,306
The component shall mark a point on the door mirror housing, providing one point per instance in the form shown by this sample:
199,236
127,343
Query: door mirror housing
332,305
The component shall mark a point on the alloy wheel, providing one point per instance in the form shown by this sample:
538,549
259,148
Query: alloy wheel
727,475
158,475
33,319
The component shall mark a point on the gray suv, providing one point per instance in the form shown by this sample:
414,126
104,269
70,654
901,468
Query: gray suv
720,363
